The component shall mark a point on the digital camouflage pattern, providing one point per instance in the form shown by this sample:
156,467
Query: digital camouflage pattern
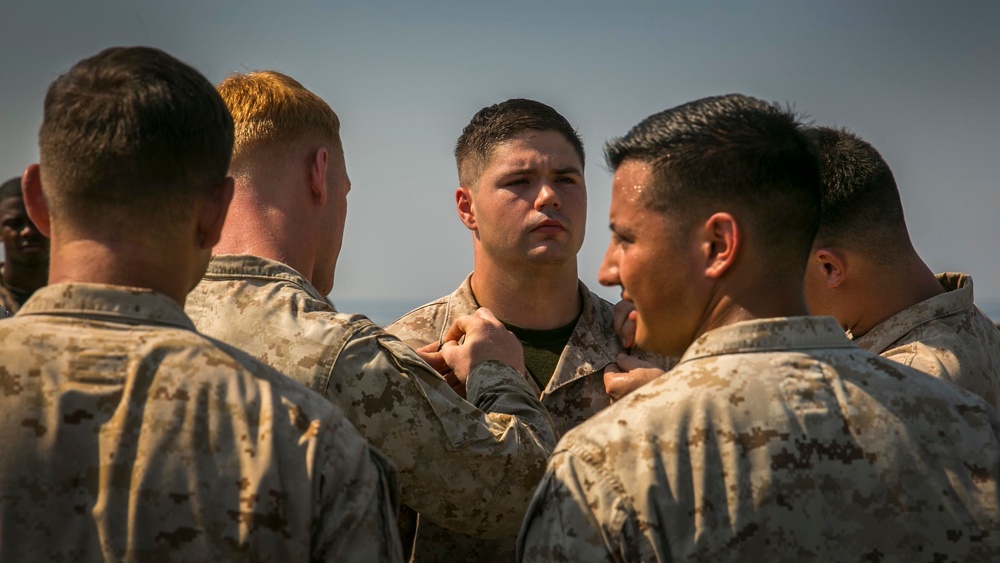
127,436
574,394
776,440
471,466
946,336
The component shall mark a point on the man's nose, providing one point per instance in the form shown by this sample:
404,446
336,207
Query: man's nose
607,274
30,230
547,196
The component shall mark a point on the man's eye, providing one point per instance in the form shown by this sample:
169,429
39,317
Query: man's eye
516,182
566,180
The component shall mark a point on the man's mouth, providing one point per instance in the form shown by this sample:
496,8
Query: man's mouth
549,226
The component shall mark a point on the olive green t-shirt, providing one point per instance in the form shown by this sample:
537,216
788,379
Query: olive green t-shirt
542,349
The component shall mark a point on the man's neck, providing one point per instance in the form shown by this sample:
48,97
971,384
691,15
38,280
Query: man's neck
534,297
128,263
268,232
746,300
22,277
888,290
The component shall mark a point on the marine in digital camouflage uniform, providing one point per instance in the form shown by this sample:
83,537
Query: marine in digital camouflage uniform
946,336
523,194
774,438
26,251
470,464
865,272
128,436
576,390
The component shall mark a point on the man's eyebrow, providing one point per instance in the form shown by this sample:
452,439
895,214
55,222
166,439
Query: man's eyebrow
618,229
520,171
569,170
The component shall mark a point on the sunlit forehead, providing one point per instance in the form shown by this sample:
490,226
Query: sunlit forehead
535,152
632,179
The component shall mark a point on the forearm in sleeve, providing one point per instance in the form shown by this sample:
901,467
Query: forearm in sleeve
465,469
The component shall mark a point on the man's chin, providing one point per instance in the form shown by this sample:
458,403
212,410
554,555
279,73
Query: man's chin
550,249
549,255
663,347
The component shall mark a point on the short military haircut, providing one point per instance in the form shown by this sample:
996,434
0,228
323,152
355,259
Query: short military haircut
11,188
736,154
501,122
861,206
130,137
272,110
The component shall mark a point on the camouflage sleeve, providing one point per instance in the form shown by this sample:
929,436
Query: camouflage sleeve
579,514
465,469
358,499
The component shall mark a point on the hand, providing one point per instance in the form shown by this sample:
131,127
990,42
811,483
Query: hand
627,375
434,358
625,318
478,338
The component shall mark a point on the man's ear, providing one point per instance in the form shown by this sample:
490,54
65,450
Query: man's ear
212,215
318,165
831,265
34,200
721,239
466,211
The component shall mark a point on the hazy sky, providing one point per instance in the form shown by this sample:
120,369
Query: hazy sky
920,80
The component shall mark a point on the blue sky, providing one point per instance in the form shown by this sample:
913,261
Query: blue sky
920,80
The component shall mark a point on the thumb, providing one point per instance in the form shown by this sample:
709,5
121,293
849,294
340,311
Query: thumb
629,363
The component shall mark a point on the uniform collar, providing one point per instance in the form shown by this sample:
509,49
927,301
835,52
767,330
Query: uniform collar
769,335
113,302
245,266
592,346
956,299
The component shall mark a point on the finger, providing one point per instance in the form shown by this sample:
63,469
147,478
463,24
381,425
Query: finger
627,331
460,327
622,311
434,359
629,363
628,335
448,351
487,315
432,347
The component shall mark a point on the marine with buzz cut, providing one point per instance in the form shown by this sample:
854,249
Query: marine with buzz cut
864,272
523,196
26,251
470,465
126,435
774,438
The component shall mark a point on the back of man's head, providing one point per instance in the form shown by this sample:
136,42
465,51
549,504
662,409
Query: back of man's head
735,154
861,207
129,138
501,122
11,188
273,111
